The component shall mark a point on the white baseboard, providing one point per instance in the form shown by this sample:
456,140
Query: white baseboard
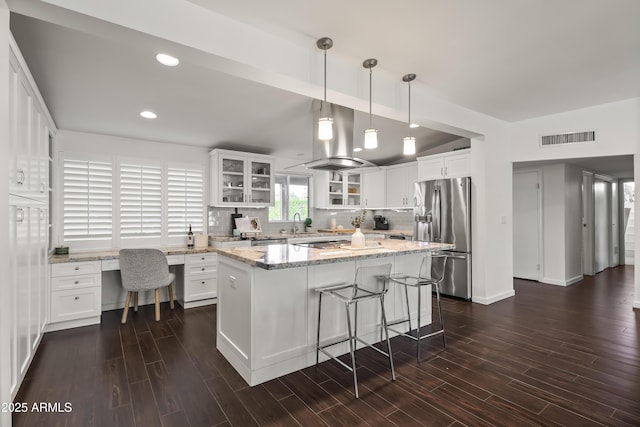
560,282
495,298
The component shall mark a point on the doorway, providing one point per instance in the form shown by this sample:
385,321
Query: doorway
628,221
527,218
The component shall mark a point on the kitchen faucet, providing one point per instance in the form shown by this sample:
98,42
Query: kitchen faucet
294,222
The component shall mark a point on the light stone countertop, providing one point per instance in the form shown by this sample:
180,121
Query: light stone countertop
274,257
114,254
337,232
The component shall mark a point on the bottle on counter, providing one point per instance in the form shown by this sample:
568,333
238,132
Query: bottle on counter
190,238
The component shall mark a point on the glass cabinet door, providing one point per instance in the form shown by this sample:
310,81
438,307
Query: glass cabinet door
233,180
353,189
261,182
336,184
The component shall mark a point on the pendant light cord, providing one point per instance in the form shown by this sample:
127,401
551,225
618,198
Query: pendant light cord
409,132
325,81
370,96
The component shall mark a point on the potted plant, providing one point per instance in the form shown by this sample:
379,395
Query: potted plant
357,238
307,224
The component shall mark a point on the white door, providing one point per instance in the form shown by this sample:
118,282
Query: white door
602,231
614,255
587,224
527,215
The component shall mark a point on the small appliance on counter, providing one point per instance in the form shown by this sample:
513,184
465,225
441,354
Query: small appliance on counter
380,223
233,222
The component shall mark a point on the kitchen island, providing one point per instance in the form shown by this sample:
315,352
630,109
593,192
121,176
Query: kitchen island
267,304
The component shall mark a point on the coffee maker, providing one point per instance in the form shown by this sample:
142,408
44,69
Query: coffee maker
380,223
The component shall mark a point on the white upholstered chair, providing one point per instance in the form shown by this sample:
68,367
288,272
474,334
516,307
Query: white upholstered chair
141,270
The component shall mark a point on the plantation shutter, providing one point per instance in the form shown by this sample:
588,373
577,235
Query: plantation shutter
140,201
87,200
185,200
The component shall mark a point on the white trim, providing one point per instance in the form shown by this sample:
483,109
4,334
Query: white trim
562,282
494,298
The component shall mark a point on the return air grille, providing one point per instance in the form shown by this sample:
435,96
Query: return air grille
567,138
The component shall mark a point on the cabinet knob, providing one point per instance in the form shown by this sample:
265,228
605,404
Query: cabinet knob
202,258
77,268
76,282
203,282
202,269
76,298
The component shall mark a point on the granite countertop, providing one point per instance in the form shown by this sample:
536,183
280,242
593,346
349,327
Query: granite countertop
114,254
274,257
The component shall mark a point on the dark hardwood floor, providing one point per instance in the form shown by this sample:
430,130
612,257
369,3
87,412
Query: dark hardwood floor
548,356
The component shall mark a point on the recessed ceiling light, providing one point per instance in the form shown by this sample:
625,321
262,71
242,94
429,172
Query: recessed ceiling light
167,60
414,125
148,114
355,150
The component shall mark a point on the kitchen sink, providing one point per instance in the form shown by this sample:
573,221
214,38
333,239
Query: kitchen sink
332,244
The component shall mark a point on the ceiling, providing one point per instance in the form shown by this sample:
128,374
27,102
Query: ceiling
613,166
510,59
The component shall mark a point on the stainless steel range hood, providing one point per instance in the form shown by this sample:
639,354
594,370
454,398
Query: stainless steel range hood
337,154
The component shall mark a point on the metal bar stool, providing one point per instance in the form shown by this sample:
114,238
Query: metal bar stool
439,262
370,283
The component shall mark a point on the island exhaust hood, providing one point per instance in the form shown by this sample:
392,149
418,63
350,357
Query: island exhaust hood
336,154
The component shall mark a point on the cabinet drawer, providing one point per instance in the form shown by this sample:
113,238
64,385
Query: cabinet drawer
75,268
175,259
200,270
203,288
111,265
75,282
198,259
75,304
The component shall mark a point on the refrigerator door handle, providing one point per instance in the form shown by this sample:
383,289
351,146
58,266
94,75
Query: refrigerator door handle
438,216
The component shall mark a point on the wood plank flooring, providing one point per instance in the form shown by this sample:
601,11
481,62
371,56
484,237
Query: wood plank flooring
548,356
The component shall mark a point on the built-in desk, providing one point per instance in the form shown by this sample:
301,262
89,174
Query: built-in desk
85,284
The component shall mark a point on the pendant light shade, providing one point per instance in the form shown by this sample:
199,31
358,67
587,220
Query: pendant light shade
409,142
409,145
325,122
371,134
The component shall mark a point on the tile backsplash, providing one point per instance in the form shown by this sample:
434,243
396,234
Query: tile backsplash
219,219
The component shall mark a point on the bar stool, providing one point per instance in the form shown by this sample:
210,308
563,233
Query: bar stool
370,283
422,279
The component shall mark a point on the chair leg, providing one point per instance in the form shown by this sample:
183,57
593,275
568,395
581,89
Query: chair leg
386,331
352,350
406,297
157,305
135,302
125,311
318,330
444,337
418,327
171,304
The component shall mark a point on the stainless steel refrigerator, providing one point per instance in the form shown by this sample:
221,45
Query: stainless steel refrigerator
442,213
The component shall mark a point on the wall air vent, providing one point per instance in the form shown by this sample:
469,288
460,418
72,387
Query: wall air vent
567,138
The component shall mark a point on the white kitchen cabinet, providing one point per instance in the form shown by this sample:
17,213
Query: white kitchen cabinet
373,189
399,185
76,294
448,165
241,179
200,280
28,174
335,190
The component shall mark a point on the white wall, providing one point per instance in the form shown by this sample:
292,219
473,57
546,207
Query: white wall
553,223
5,320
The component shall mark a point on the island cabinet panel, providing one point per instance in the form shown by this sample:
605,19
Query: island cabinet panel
410,265
281,312
234,322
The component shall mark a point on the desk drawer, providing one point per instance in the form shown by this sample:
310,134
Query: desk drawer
175,259
200,270
203,288
75,268
198,259
75,282
75,304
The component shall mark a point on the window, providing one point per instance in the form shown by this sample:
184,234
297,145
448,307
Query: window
291,197
87,200
185,200
140,201
112,202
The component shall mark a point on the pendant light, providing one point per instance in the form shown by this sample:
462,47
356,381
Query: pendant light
371,134
325,122
409,146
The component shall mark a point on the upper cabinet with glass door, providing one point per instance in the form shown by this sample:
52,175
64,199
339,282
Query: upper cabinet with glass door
241,179
338,189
